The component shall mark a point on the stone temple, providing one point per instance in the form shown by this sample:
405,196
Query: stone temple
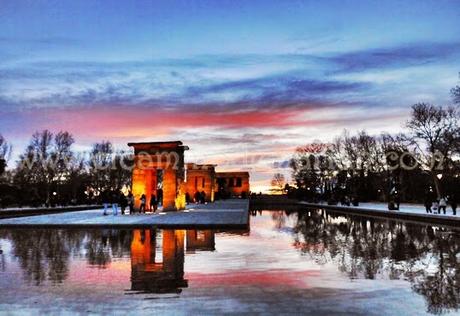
159,170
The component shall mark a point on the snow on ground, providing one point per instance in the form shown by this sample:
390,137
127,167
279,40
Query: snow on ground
404,207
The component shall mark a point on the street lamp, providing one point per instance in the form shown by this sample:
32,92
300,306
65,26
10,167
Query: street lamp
439,176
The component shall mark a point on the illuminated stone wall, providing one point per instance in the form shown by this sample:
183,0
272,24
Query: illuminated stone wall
236,183
154,156
200,178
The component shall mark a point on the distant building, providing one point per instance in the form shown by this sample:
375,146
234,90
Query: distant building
232,184
200,178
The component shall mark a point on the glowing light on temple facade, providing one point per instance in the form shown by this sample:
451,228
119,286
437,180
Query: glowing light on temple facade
159,170
201,178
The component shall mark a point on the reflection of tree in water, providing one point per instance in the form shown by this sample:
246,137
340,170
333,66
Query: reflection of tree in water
442,289
105,244
98,251
44,255
278,218
2,259
365,247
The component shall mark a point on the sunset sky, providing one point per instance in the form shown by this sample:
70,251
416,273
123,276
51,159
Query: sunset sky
242,83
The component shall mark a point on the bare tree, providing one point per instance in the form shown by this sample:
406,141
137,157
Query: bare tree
62,156
278,183
34,165
5,153
358,159
100,163
120,173
456,94
45,165
306,169
435,136
76,177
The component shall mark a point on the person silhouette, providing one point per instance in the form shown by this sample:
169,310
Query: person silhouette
123,202
160,196
453,204
202,197
153,203
143,201
130,202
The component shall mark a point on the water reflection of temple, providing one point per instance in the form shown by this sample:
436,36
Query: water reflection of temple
157,258
200,240
156,272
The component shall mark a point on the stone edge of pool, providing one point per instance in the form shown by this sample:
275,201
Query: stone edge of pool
400,215
296,206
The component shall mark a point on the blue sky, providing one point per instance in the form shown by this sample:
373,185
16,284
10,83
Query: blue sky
259,77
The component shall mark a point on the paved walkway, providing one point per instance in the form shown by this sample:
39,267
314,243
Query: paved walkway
227,213
30,209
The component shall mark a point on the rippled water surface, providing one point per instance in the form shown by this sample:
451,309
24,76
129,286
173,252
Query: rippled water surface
311,262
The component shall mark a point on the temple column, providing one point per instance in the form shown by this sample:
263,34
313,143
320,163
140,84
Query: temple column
173,252
138,185
169,189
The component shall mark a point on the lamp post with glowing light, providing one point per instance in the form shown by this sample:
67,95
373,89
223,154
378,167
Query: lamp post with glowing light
439,176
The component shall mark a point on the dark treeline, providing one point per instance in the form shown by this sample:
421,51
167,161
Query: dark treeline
423,161
50,172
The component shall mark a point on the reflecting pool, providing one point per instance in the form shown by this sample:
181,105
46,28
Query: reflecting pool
310,262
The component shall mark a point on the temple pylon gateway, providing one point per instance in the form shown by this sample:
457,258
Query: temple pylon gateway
159,170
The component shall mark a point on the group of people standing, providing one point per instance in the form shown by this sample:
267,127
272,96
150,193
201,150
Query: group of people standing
345,200
113,200
198,197
127,202
153,205
437,205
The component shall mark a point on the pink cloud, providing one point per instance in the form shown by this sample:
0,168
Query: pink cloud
128,122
